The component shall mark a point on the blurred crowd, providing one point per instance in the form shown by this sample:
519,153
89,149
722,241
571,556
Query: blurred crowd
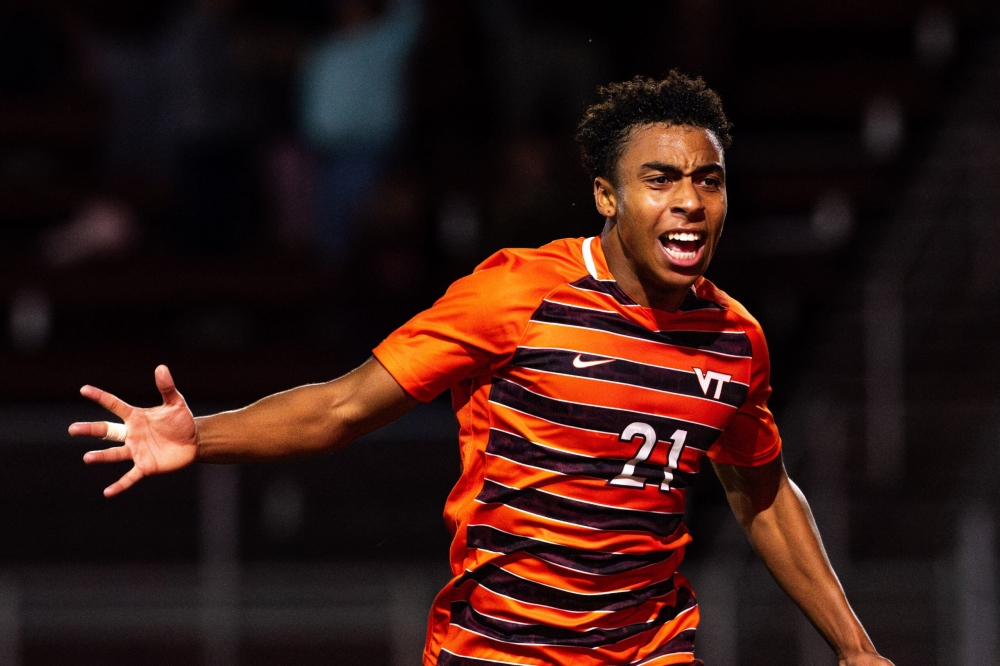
388,140
388,146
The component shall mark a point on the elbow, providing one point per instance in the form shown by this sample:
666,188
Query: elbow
743,510
324,421
345,418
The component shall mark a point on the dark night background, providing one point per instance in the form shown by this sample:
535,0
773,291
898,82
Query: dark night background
179,184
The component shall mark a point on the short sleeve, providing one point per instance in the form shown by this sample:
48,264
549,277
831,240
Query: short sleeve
471,330
751,438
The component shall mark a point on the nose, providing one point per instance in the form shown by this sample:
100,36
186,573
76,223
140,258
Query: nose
685,199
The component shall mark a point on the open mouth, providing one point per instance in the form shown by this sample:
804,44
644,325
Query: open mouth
683,248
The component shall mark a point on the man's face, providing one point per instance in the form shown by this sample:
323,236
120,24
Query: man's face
667,210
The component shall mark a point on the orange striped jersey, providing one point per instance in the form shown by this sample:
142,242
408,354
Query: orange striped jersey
583,417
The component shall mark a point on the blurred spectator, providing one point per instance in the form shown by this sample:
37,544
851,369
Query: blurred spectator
124,54
352,108
210,117
104,228
459,227
290,171
395,229
29,320
543,74
184,111
50,120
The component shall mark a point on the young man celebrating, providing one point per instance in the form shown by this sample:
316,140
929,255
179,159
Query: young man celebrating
590,377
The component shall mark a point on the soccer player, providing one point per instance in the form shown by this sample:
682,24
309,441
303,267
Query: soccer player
590,377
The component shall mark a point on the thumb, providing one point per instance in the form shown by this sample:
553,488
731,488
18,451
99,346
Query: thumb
165,383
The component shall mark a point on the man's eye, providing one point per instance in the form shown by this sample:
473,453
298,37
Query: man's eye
660,179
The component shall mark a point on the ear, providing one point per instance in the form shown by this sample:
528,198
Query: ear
605,197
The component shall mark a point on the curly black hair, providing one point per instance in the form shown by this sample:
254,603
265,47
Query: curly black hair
626,106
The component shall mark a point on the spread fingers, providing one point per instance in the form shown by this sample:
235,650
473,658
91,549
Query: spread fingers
118,407
123,483
92,429
117,454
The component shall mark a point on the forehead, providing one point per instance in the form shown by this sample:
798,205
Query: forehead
682,146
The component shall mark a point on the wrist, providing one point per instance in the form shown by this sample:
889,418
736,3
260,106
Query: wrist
199,423
850,654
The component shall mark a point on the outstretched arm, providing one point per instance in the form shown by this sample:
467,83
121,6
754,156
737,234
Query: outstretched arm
776,517
303,421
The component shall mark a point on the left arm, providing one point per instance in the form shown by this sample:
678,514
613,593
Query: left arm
776,518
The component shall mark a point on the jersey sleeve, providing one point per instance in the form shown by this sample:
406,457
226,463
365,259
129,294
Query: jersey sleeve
471,330
751,438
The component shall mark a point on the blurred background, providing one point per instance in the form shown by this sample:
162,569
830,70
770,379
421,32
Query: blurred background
256,192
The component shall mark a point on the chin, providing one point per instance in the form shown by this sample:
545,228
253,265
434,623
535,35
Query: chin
675,281
681,276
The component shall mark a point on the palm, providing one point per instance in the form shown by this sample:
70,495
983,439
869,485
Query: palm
159,439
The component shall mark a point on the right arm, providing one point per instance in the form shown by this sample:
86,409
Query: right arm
452,340
304,421
308,420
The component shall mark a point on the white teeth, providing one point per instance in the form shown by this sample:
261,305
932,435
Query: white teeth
683,236
680,256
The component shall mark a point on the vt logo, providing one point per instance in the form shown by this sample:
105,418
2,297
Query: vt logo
705,379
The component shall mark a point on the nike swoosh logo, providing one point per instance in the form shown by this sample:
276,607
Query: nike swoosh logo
580,363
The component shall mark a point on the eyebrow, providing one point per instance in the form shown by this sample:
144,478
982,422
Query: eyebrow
670,168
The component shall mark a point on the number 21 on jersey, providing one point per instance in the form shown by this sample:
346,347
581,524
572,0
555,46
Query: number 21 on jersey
645,432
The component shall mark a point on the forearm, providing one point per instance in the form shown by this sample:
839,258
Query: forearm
286,425
304,421
788,543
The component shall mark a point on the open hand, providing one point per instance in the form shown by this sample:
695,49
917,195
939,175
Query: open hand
158,439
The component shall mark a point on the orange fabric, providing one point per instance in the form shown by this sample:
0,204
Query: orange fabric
475,326
583,417
751,438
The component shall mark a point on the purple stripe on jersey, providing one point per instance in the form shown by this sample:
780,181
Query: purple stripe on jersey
496,580
680,382
730,343
567,510
520,450
609,287
692,301
592,417
493,540
682,642
464,615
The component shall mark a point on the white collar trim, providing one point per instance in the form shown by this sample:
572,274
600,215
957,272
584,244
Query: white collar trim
588,257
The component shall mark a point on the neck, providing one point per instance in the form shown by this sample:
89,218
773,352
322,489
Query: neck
641,289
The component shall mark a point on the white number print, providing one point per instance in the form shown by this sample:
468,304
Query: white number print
645,431
673,458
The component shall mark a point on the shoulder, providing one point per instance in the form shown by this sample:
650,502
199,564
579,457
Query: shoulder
533,270
736,313
564,256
